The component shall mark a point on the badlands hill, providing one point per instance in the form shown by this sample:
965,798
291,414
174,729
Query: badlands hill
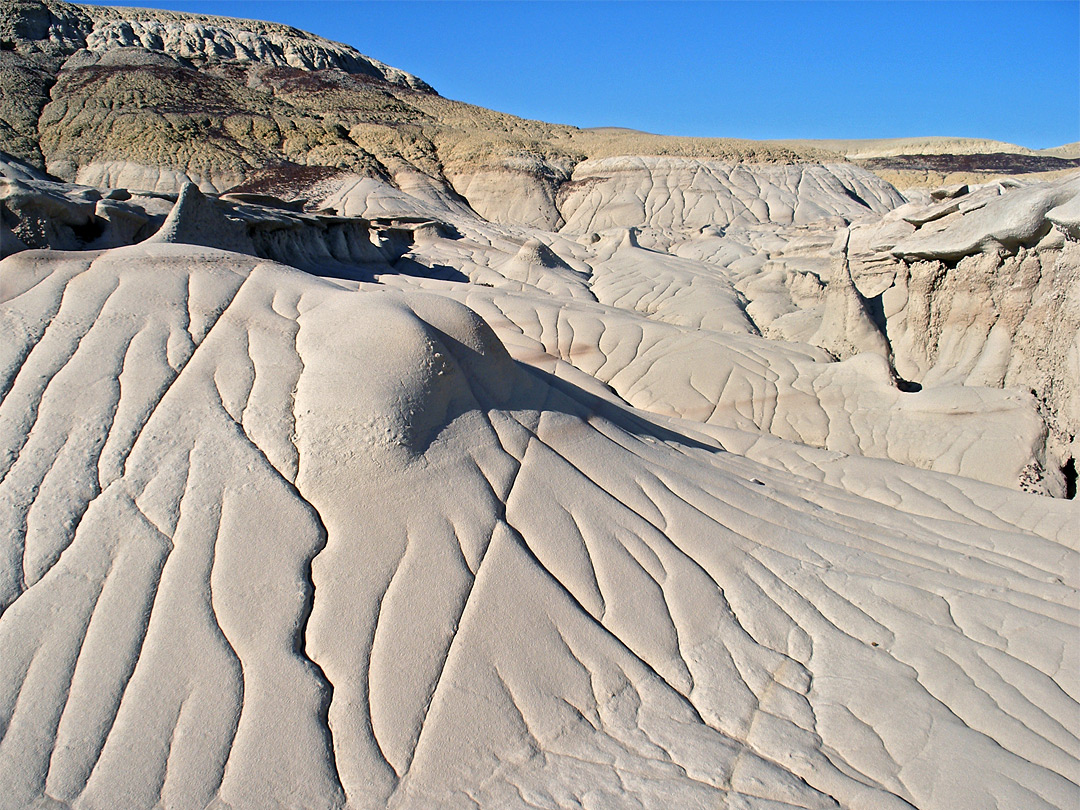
147,99
152,100
920,162
364,449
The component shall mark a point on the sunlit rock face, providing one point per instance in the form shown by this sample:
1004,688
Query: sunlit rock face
548,481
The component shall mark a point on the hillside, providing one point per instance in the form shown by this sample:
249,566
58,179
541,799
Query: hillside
153,99
123,97
364,449
928,162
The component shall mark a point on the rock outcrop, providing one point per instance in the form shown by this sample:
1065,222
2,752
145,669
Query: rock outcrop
993,303
1009,222
847,326
689,193
100,31
195,220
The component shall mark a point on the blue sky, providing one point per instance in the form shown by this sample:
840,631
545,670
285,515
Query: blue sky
871,69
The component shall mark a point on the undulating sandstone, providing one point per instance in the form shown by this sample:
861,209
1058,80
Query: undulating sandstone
360,449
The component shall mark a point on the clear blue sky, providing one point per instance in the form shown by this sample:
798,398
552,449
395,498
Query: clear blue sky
871,69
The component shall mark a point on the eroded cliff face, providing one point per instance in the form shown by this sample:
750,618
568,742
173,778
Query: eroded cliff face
143,97
986,294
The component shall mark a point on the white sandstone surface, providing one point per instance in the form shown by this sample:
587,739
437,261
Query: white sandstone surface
712,491
690,193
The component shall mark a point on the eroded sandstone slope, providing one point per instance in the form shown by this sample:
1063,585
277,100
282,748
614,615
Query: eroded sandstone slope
255,558
453,460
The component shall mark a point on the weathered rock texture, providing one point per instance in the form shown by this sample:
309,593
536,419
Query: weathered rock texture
273,541
452,460
988,296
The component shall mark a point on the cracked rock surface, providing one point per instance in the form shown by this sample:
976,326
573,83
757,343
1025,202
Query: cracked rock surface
484,476
507,518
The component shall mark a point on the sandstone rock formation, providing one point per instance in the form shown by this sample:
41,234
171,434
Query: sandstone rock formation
847,324
453,460
244,577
